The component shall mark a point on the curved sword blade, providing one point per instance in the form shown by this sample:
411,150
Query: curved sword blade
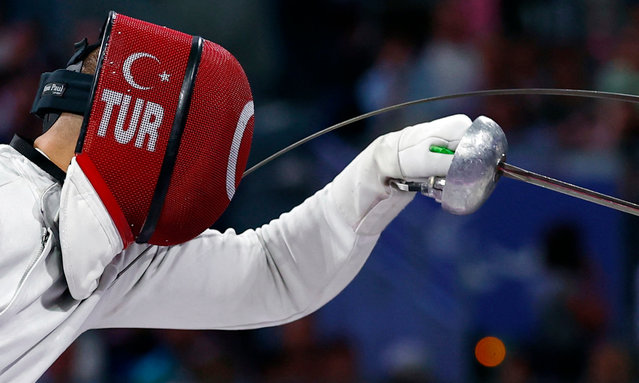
595,94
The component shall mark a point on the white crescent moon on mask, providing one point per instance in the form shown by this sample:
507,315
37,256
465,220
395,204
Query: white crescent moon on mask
126,68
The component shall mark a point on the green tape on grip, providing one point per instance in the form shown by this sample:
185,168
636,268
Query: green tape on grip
441,149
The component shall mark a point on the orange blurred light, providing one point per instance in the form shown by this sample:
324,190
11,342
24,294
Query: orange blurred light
490,351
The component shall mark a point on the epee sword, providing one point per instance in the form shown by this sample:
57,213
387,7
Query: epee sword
520,174
478,163
434,186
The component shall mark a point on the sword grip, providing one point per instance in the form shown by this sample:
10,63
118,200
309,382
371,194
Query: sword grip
432,187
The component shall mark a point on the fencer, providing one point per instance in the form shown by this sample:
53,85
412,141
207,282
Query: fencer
103,220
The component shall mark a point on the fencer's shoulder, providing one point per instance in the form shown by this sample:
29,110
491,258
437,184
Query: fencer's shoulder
23,188
18,201
8,161
14,175
14,166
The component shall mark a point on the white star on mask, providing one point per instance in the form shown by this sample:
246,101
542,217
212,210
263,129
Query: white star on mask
164,76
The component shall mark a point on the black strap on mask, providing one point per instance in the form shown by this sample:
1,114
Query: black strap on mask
64,90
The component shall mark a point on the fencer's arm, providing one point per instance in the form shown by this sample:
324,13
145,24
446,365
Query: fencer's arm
290,267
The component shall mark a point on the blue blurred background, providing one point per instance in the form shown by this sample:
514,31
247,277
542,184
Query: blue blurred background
551,276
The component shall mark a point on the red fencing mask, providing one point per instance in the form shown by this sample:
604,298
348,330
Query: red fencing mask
167,132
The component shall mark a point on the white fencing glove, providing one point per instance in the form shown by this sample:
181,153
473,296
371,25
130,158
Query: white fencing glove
362,192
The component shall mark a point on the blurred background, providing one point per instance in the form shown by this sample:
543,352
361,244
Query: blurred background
553,277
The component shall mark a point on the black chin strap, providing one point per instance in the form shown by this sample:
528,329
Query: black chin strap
25,147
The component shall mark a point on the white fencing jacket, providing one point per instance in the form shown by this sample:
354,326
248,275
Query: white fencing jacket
272,275
63,270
